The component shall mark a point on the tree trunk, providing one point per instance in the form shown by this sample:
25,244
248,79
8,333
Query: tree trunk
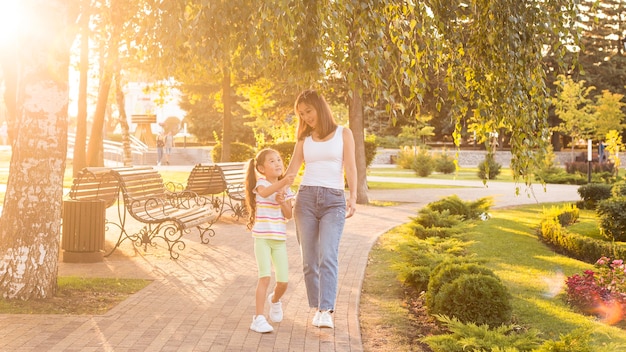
357,127
30,221
121,106
95,156
227,122
80,143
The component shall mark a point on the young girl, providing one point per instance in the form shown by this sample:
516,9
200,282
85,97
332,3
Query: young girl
269,202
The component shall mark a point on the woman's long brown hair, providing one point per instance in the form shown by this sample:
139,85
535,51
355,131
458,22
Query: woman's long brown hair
326,122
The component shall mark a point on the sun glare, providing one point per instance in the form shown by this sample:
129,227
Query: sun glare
12,19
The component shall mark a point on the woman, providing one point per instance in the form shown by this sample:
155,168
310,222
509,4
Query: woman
321,208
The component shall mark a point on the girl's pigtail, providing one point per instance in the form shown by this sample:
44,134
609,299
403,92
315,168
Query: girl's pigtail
250,196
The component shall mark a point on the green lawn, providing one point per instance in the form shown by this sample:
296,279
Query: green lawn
535,274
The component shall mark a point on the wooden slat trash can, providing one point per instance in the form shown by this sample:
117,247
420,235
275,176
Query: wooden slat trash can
83,230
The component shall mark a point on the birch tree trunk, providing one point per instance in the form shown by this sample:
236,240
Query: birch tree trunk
31,218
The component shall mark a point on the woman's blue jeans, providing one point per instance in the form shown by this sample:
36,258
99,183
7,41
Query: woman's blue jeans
320,215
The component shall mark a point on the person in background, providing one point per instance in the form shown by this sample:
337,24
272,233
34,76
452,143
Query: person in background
160,144
169,144
269,202
327,150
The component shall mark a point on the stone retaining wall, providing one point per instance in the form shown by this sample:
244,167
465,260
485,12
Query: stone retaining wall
471,158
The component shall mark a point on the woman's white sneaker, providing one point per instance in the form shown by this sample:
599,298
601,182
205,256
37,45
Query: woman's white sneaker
325,320
316,318
260,324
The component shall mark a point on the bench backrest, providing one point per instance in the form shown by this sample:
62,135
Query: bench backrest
206,180
95,183
140,184
234,173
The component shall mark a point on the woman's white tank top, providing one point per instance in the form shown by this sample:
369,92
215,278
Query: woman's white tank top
324,162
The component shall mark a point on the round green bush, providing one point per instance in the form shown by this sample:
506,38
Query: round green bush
423,164
475,298
448,271
238,152
489,169
612,214
445,164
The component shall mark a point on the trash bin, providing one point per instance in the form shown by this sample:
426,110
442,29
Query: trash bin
83,231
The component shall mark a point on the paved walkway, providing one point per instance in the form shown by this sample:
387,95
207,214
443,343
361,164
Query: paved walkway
204,301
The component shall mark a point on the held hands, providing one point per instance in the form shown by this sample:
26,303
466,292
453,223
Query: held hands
288,179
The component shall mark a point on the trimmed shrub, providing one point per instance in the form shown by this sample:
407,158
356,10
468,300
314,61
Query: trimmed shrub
466,210
489,169
417,258
593,193
612,214
566,214
618,189
477,298
423,164
583,167
448,271
238,152
406,157
465,337
445,164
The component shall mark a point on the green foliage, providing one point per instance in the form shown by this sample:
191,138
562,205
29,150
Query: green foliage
558,175
423,163
609,115
238,152
390,142
489,169
574,245
370,150
574,109
582,167
617,190
406,157
612,214
565,214
417,257
429,217
285,149
592,193
448,271
578,340
465,337
445,164
468,210
478,298
432,223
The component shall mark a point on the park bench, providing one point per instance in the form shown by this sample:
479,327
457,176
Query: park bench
84,214
222,184
142,194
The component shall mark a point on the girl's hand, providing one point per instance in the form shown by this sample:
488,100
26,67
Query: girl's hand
280,196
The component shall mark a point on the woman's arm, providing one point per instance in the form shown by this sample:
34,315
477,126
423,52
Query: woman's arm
297,158
349,165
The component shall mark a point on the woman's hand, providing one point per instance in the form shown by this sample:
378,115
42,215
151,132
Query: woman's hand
350,207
